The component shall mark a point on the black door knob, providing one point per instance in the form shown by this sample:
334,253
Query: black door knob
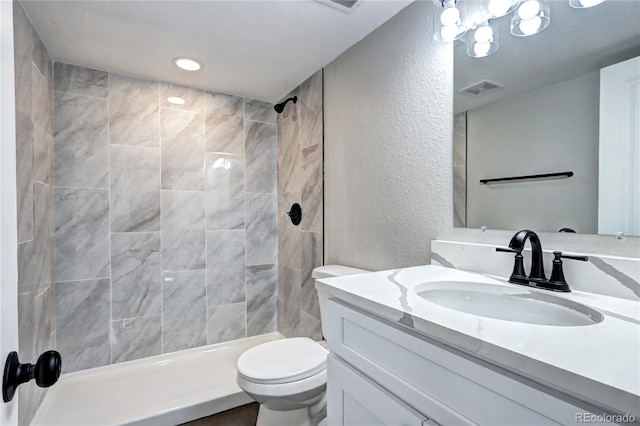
46,371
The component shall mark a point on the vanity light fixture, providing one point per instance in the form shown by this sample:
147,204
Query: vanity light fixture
187,64
175,100
530,17
447,21
483,40
497,8
583,4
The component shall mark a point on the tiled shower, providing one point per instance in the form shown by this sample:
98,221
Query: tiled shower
147,227
165,217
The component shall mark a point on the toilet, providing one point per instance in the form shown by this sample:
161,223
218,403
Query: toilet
288,377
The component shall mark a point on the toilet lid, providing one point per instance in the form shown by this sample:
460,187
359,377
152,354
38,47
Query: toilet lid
283,361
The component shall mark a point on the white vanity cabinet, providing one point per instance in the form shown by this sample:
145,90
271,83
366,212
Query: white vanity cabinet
381,373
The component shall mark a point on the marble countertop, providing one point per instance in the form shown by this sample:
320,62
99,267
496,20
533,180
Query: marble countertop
597,363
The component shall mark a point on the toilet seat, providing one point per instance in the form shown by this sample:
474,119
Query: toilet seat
283,361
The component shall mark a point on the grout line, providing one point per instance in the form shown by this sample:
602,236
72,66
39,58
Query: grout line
134,146
109,214
246,225
135,232
81,187
82,280
106,99
135,318
162,348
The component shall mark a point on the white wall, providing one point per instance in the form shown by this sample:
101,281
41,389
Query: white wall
546,130
388,126
388,165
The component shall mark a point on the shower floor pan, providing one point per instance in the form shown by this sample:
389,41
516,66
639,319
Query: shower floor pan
162,390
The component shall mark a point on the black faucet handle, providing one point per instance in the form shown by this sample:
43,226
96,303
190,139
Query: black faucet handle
557,282
518,276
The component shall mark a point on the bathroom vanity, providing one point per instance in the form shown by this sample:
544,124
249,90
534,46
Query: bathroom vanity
437,346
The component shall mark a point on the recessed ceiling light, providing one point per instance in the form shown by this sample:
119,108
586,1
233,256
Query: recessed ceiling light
175,100
187,64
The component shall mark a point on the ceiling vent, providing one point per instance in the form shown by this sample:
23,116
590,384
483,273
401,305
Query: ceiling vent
346,6
482,88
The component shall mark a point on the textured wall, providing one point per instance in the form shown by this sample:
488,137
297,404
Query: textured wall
165,225
388,127
300,129
34,148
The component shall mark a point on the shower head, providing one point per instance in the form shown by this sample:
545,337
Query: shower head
280,107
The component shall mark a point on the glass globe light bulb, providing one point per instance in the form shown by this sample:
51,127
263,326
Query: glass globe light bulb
528,9
449,32
499,7
481,49
530,26
483,34
450,16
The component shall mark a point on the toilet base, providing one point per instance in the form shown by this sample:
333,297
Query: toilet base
297,417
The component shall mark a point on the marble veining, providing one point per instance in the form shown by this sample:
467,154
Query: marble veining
263,112
224,123
262,297
136,338
260,157
184,310
24,45
183,231
288,301
42,110
289,166
24,175
82,234
82,327
182,146
311,110
225,267
226,322
289,235
134,112
224,191
135,189
79,80
81,141
135,274
312,188
44,312
262,232
311,258
460,170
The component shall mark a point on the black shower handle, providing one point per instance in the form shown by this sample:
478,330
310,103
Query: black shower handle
46,371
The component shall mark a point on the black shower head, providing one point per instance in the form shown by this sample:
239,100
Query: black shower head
280,107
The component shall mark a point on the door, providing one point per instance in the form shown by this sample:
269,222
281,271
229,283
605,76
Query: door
8,218
619,165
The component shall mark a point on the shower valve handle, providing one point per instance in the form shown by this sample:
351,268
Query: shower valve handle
46,371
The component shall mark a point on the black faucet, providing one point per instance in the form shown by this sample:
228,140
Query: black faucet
536,276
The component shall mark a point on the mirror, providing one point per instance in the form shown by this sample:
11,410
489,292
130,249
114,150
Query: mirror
544,118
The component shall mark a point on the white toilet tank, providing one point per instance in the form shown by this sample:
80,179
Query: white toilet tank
330,271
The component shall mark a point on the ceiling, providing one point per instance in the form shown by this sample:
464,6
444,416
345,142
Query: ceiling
258,49
577,41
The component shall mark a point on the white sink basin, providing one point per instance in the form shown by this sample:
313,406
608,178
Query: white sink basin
508,303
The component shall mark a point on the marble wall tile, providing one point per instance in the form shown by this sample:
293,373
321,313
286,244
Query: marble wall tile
460,170
311,248
134,112
289,161
136,338
44,320
262,232
135,189
41,257
289,235
24,43
41,58
312,189
224,123
26,326
81,141
290,109
182,146
225,191
184,310
310,327
288,300
136,275
255,110
311,110
226,322
194,98
183,230
79,80
260,157
262,297
24,175
82,324
82,234
42,110
225,267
